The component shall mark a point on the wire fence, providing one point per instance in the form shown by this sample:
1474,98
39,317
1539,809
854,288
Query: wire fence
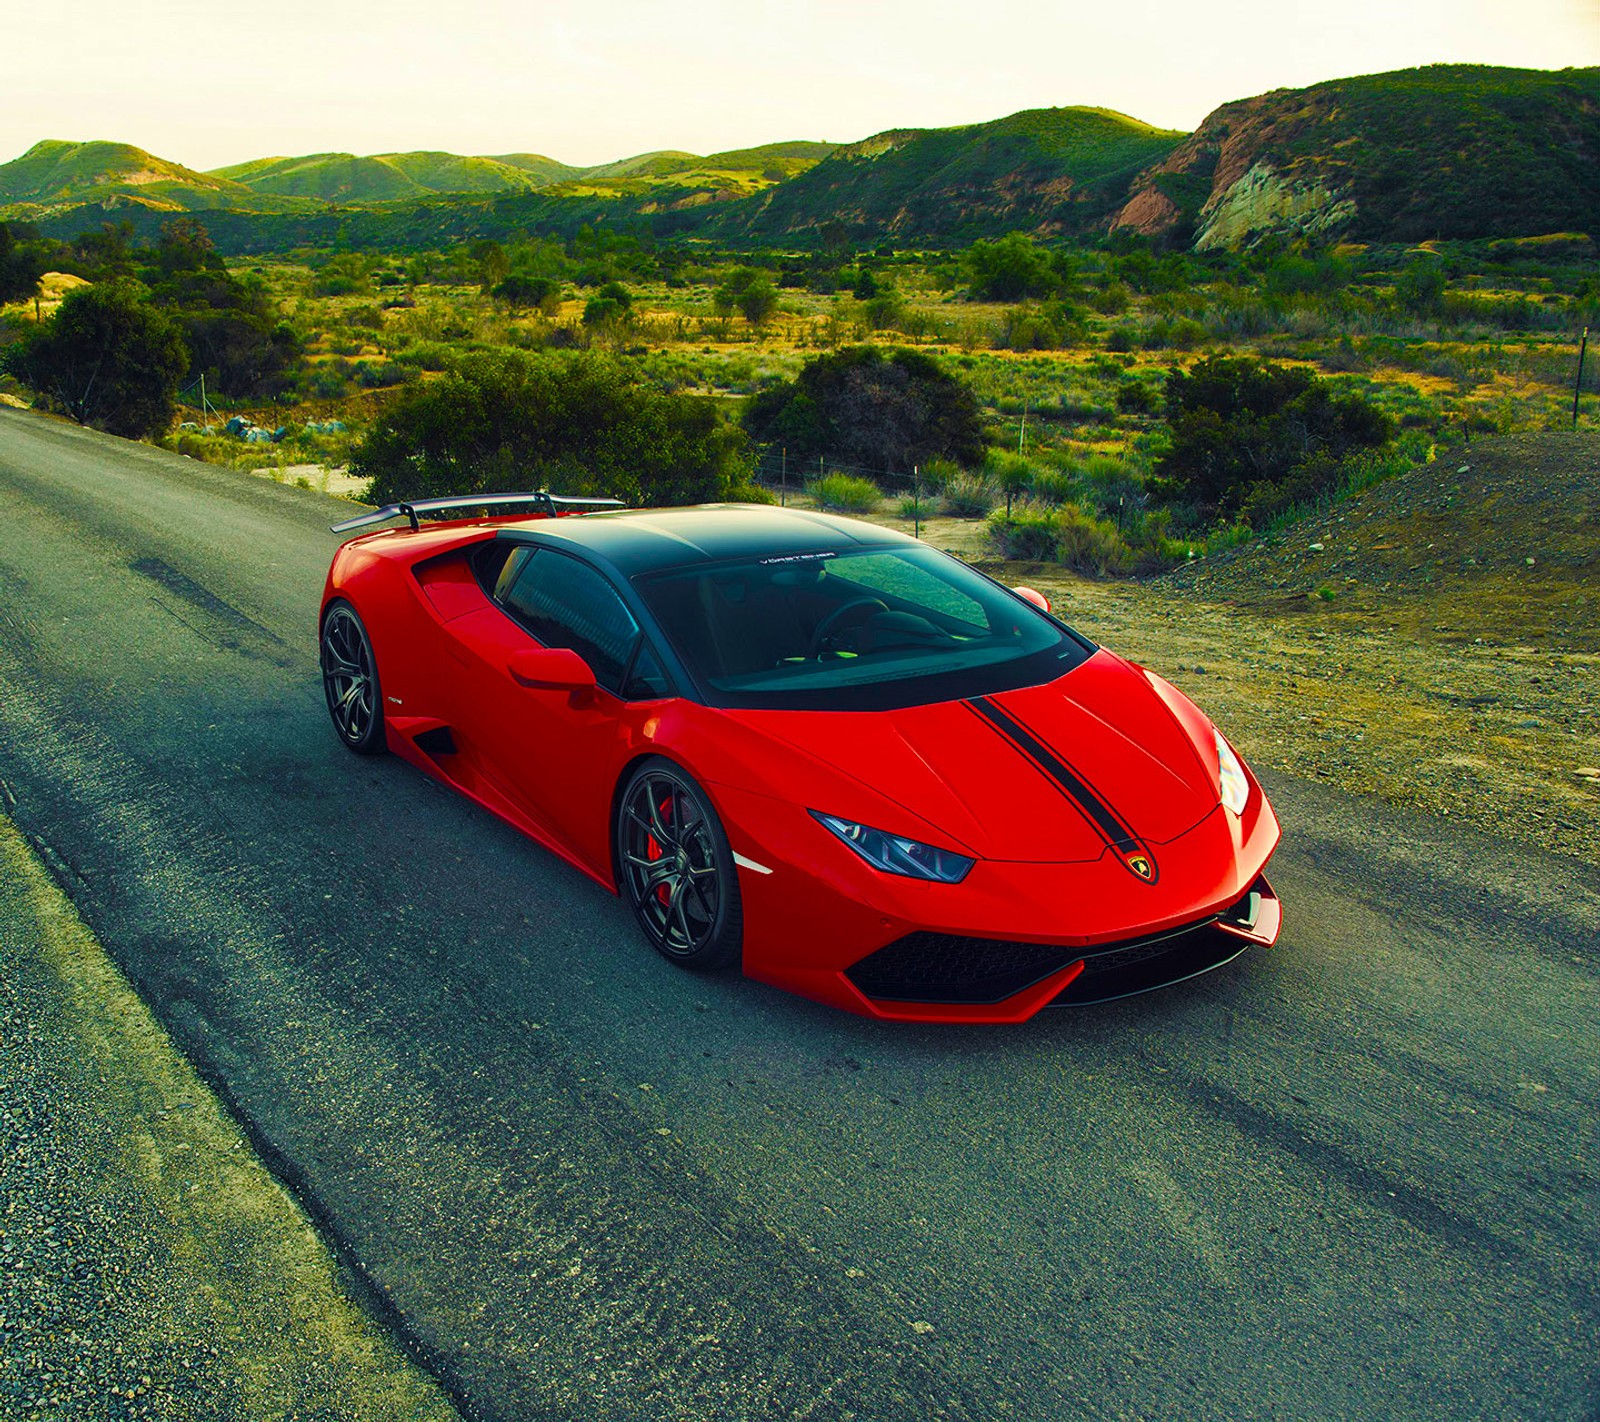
777,469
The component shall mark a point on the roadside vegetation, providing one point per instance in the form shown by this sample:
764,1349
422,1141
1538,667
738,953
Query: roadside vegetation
1118,406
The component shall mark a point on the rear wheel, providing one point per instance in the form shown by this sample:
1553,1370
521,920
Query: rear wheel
676,869
350,680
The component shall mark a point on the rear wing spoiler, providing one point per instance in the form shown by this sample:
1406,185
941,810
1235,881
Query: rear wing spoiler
543,501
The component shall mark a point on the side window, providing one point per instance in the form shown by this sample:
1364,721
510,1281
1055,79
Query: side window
646,680
565,603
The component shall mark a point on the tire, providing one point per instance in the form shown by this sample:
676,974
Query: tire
350,680
675,867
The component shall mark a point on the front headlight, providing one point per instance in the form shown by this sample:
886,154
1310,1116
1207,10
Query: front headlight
1235,789
894,854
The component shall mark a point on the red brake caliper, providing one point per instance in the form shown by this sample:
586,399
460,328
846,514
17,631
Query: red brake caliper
653,850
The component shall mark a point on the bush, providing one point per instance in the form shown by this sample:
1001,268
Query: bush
863,407
846,492
936,473
1066,534
1091,545
1027,535
580,423
969,496
1134,397
107,358
1238,422
749,291
744,491
523,293
1012,268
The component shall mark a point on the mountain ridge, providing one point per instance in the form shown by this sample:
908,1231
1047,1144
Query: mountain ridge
1441,151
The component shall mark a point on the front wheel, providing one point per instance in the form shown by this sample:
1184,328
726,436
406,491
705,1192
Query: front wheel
350,680
676,869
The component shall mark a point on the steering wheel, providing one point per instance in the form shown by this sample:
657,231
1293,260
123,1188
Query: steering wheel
865,607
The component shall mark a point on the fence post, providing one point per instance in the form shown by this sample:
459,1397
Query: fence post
1577,385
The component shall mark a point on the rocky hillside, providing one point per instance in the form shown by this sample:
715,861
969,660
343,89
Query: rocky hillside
1449,151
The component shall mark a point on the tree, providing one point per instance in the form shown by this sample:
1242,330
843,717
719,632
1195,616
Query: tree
21,266
489,262
1242,428
861,406
107,357
577,423
1011,268
612,305
751,291
523,293
1419,288
186,246
232,327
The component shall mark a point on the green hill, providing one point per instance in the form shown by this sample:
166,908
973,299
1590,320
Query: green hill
55,174
386,177
772,161
1447,151
545,169
1042,170
345,178
641,165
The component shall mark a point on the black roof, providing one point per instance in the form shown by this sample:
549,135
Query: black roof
635,541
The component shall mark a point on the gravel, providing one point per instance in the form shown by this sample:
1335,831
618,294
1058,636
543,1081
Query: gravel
149,1265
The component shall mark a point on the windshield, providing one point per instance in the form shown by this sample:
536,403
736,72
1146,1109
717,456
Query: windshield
882,627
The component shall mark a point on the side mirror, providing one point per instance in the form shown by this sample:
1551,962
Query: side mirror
1037,598
550,669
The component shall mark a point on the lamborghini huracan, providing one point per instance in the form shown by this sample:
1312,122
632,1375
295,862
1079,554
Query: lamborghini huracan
809,746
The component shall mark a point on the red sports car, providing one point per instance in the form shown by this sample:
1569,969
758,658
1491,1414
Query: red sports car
808,745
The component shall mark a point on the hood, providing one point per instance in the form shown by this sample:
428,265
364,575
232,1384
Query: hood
1049,773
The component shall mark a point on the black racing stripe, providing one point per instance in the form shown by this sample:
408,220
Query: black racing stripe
1099,814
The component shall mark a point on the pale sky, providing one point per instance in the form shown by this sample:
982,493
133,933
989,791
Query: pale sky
216,83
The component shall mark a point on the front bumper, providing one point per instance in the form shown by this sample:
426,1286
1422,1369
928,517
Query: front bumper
1011,938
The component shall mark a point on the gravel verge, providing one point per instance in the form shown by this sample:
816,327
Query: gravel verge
150,1266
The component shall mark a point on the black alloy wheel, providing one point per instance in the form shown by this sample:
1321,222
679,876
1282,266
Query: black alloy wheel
675,868
350,680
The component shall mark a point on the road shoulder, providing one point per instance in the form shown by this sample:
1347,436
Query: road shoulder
150,1265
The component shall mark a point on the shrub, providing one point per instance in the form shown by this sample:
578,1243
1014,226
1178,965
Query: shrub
969,496
745,491
846,492
107,358
523,293
748,290
582,423
1134,397
1026,534
1088,544
936,473
1012,268
883,411
1054,486
1238,422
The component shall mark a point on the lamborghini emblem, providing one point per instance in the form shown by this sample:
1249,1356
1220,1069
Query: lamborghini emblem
1141,865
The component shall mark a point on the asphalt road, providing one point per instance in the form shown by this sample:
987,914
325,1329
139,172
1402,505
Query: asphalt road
1353,1176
